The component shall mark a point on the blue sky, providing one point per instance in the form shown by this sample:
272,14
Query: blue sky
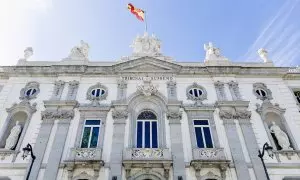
238,27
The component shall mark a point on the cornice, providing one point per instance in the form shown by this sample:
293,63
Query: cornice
140,65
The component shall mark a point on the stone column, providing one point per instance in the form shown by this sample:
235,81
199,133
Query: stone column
119,115
251,144
40,146
57,149
174,117
228,115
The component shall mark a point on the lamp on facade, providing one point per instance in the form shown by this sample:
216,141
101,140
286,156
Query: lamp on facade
26,151
270,152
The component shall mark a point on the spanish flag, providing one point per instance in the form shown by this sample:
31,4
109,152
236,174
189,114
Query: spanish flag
139,13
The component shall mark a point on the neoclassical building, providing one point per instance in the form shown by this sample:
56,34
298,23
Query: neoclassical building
149,117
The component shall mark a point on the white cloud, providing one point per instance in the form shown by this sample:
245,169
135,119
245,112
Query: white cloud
17,19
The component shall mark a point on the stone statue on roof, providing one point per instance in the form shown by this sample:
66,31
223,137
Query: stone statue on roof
80,52
146,46
212,52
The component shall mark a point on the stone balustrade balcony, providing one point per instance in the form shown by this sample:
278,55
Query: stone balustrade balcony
147,157
85,154
209,154
209,157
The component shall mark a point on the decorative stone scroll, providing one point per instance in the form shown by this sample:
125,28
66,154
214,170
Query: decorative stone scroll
234,90
220,90
58,114
72,91
147,153
58,89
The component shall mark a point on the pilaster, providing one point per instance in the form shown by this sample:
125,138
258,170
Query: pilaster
119,115
174,117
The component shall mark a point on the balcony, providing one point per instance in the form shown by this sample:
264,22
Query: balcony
85,155
147,157
209,157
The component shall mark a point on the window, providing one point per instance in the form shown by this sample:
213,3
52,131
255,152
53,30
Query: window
261,92
196,92
91,131
203,134
146,133
30,92
297,95
98,92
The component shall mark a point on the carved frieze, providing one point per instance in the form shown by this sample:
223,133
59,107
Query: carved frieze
234,113
57,114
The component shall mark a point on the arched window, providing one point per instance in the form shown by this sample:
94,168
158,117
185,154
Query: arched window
146,131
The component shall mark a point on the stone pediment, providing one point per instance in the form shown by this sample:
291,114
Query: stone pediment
146,64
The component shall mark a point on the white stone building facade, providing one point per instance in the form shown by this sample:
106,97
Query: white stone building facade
148,116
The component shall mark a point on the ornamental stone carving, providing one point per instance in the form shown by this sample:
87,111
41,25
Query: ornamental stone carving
30,91
146,46
174,115
147,89
58,88
261,91
101,96
72,91
281,136
85,153
57,114
147,153
243,114
80,52
122,84
227,114
119,114
220,90
234,90
13,137
198,99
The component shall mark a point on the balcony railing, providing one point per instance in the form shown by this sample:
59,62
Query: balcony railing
209,154
85,154
146,154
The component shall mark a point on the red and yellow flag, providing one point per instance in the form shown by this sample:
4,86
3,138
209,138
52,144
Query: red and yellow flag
139,13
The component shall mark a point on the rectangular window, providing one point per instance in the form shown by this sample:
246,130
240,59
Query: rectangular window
90,135
146,136
203,134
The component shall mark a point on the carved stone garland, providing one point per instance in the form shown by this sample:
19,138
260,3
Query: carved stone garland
147,89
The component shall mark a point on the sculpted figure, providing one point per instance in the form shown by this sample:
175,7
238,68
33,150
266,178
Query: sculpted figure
146,45
211,51
263,55
13,137
282,138
28,52
80,51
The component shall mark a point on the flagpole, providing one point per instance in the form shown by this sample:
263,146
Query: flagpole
145,22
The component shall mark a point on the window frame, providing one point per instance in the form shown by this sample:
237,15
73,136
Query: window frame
90,136
202,131
143,132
